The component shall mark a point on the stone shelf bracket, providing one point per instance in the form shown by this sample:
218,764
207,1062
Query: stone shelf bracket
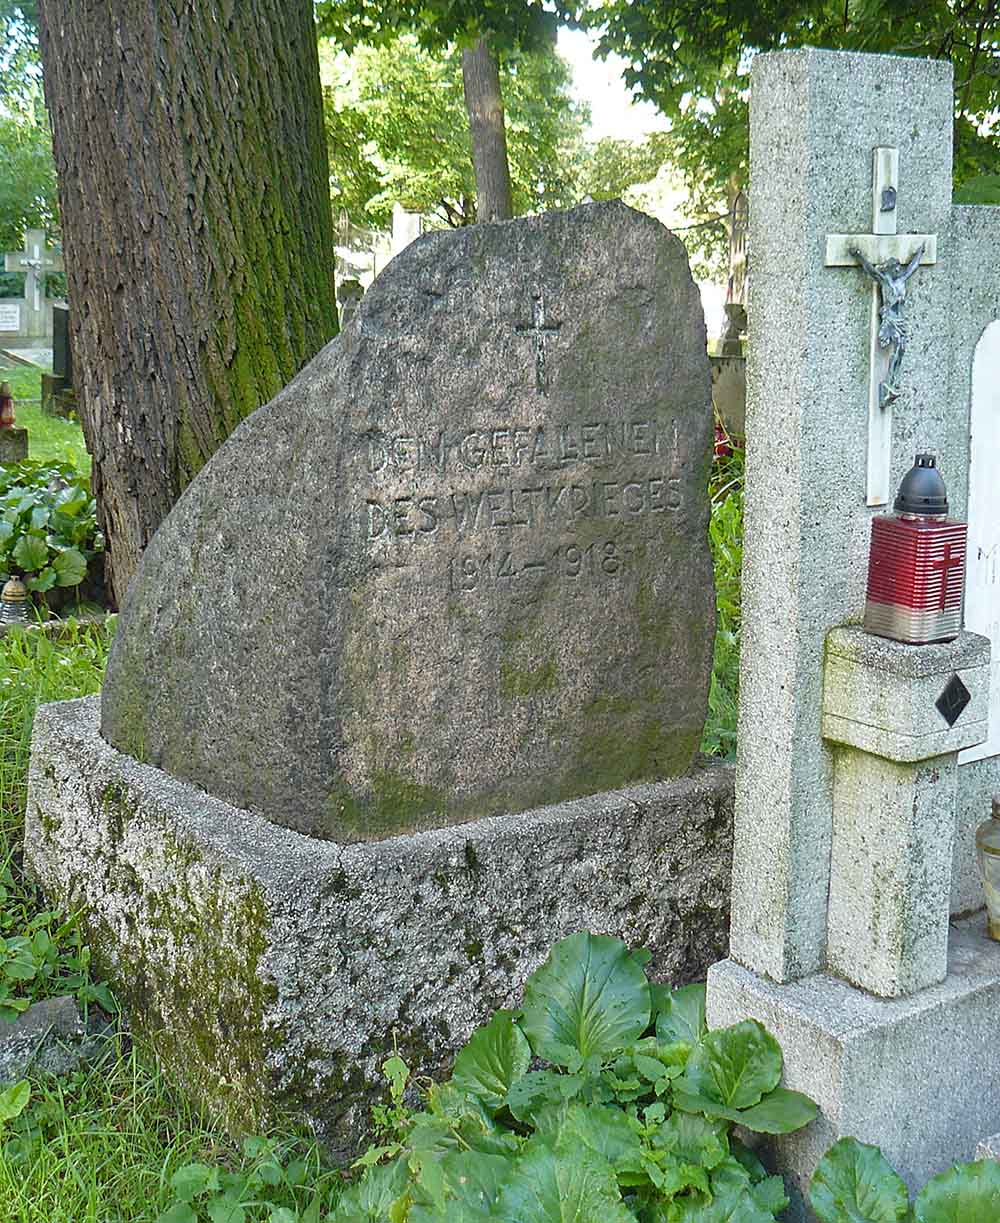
899,715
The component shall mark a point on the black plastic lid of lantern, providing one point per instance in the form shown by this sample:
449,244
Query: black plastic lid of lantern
922,490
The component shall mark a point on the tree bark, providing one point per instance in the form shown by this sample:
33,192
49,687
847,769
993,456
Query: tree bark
194,189
484,102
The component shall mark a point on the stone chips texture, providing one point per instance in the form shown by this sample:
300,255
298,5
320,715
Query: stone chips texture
459,566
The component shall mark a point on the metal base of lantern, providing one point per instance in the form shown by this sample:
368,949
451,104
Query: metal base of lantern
912,625
916,1076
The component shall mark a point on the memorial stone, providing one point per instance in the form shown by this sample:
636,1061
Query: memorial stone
459,566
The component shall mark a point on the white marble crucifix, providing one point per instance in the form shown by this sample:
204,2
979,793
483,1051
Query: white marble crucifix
37,261
890,259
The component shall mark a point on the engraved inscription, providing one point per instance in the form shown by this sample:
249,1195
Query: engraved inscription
509,445
423,496
468,571
461,512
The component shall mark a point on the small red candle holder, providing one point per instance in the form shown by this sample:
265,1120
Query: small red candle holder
6,406
916,564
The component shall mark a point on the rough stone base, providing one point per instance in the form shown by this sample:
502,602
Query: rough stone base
277,972
13,445
916,1076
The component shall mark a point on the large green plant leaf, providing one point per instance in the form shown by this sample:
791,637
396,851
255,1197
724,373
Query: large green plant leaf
555,1187
493,1060
372,1198
472,1182
854,1183
70,567
540,1089
681,1014
607,1132
780,1112
693,1139
735,1066
30,553
967,1193
729,1206
590,996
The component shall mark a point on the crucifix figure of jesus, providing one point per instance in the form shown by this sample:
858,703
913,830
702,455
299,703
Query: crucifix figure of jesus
890,259
891,278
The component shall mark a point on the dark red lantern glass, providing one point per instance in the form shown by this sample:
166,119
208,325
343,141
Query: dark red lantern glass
6,406
916,564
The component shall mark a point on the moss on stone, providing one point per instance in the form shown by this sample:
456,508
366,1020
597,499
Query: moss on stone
520,682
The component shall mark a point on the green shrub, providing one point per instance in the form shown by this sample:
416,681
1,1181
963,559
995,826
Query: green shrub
604,1097
855,1183
48,525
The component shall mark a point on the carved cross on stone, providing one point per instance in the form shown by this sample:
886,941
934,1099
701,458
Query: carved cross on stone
540,331
890,259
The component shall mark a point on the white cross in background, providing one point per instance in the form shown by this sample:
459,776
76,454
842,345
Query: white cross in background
36,261
890,259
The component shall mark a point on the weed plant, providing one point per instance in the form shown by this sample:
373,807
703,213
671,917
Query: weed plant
726,539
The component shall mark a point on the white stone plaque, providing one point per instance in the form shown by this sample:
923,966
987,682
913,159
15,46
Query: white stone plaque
10,316
982,579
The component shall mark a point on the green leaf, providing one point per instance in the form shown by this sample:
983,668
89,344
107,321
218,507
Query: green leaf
281,1214
71,500
42,581
590,995
735,1066
854,1183
967,1193
372,1198
681,1015
769,1194
70,567
180,1212
14,1100
222,1210
551,1187
729,1206
192,1179
692,1140
607,1132
30,553
493,1060
541,1088
780,1112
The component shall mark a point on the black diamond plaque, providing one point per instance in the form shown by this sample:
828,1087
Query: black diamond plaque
953,700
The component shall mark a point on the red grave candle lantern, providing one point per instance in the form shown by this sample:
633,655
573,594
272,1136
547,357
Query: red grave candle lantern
916,565
6,406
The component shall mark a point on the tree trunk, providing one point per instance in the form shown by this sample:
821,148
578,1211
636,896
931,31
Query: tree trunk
484,102
194,189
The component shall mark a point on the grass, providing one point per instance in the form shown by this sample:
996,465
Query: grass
49,437
726,540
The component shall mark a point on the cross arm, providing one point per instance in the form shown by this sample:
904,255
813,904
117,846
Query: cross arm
877,248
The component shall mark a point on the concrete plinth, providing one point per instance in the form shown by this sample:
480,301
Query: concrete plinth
13,445
274,971
916,1076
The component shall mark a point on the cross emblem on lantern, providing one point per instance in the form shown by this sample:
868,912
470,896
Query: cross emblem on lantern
890,259
945,565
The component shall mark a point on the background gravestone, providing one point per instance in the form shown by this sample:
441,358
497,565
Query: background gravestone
460,565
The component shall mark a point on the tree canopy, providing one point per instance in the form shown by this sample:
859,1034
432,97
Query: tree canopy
692,59
397,132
